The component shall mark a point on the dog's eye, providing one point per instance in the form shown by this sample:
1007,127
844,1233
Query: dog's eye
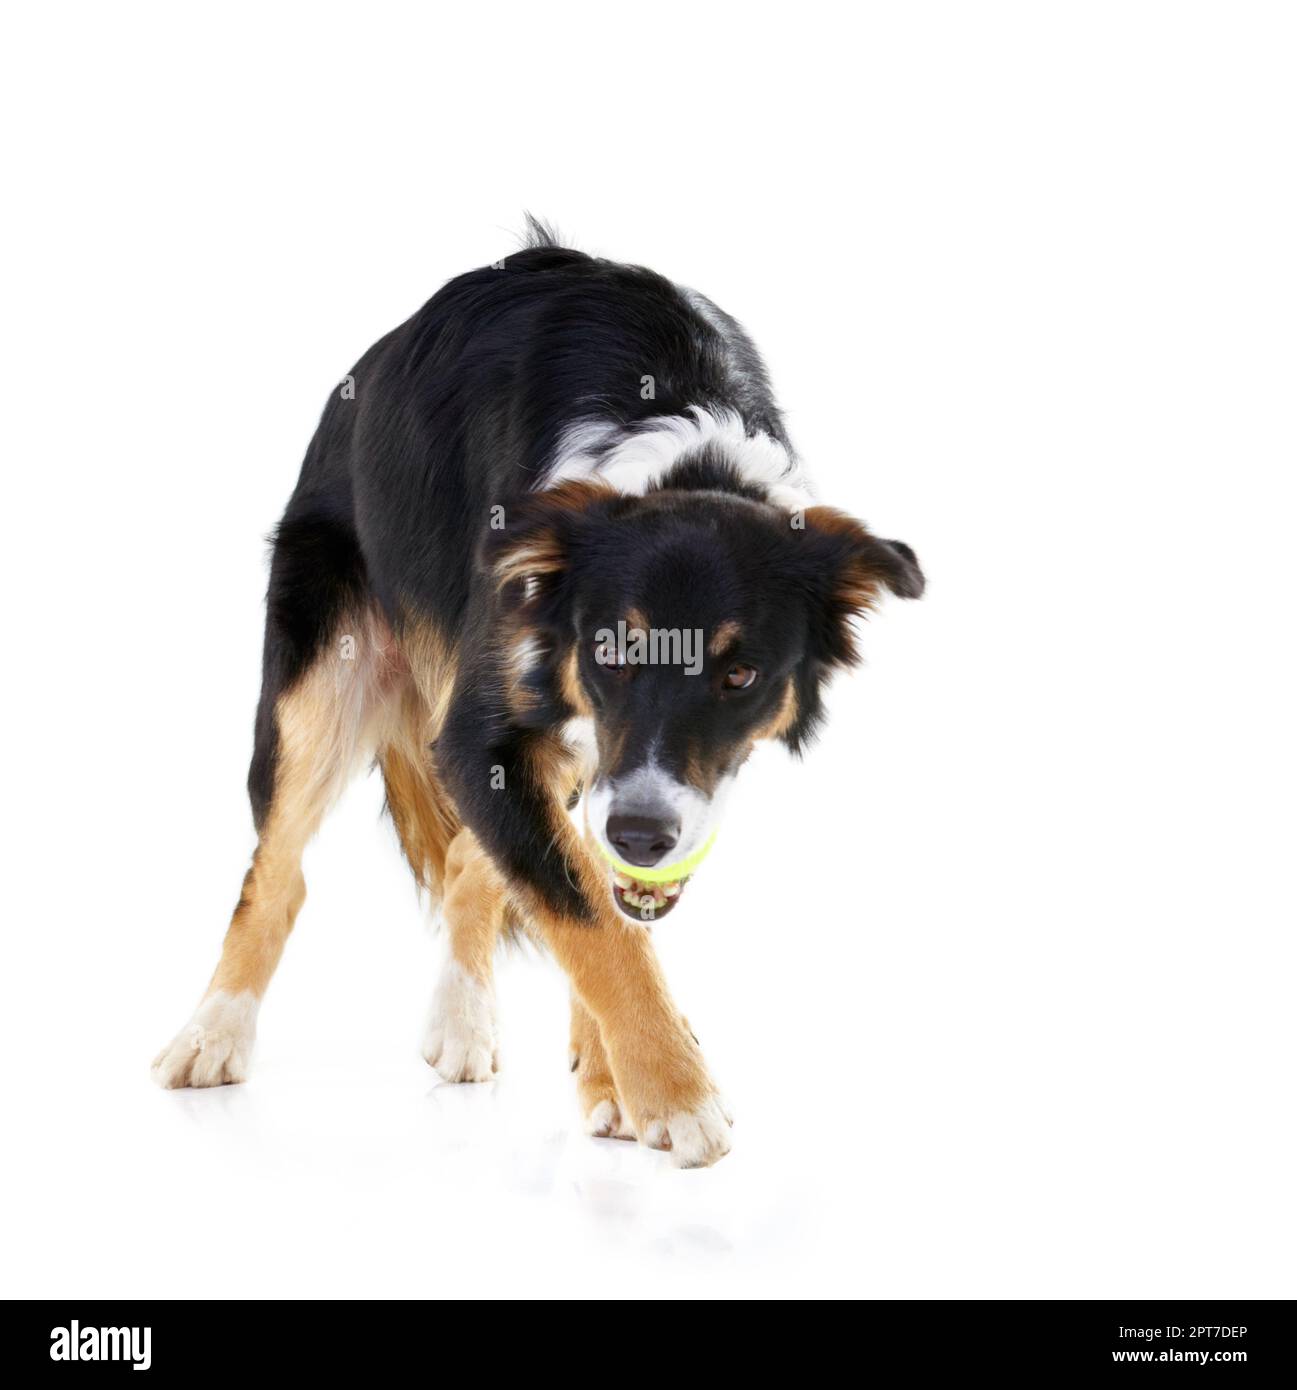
739,677
608,658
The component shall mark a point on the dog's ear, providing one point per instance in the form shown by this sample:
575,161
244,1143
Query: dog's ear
842,569
848,568
529,545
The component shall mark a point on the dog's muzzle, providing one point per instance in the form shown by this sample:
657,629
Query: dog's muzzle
648,893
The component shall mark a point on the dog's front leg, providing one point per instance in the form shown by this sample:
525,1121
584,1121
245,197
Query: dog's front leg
596,1090
632,1050
511,794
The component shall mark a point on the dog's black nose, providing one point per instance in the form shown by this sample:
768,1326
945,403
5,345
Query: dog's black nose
642,840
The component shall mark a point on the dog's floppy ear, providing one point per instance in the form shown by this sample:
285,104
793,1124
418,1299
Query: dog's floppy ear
842,569
530,544
849,569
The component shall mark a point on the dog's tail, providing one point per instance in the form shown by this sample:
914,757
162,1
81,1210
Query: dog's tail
539,234
543,248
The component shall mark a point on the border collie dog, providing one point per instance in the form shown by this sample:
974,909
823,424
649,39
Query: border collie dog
552,563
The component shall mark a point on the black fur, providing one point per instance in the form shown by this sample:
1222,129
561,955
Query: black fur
458,412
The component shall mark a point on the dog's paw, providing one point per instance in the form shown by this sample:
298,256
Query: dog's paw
604,1120
214,1047
695,1138
603,1115
460,1040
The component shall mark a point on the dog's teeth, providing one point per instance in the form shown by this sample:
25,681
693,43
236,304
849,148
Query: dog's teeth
622,880
671,889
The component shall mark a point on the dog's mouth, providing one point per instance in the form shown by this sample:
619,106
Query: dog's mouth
645,902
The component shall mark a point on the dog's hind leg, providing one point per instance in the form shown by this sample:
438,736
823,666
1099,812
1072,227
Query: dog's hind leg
323,727
460,1041
448,863
422,812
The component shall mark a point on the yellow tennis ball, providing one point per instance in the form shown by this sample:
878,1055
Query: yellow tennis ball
660,873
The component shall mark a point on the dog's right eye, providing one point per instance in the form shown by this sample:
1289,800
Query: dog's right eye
609,659
740,677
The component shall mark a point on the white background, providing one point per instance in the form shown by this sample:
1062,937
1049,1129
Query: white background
999,981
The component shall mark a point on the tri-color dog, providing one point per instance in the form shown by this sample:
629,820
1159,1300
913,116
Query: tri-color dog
551,561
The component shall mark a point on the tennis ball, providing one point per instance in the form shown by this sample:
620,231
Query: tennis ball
659,873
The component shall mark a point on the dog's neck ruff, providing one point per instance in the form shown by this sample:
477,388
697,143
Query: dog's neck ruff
631,458
664,873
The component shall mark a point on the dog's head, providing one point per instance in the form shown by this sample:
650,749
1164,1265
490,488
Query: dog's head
675,631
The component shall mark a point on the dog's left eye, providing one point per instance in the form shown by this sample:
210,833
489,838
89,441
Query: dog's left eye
739,677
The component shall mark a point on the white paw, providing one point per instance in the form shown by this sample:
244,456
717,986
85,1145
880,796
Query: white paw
605,1122
214,1047
460,1041
696,1138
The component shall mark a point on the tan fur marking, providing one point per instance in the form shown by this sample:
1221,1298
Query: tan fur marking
859,583
569,684
725,636
656,1066
520,698
655,1063
434,666
424,816
329,724
422,812
783,718
833,522
654,1060
611,744
540,555
589,1061
576,494
557,768
697,774
540,551
474,906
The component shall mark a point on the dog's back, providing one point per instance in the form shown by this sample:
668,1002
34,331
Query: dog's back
480,395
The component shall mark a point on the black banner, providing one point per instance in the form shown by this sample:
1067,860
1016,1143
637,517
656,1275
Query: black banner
88,1339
